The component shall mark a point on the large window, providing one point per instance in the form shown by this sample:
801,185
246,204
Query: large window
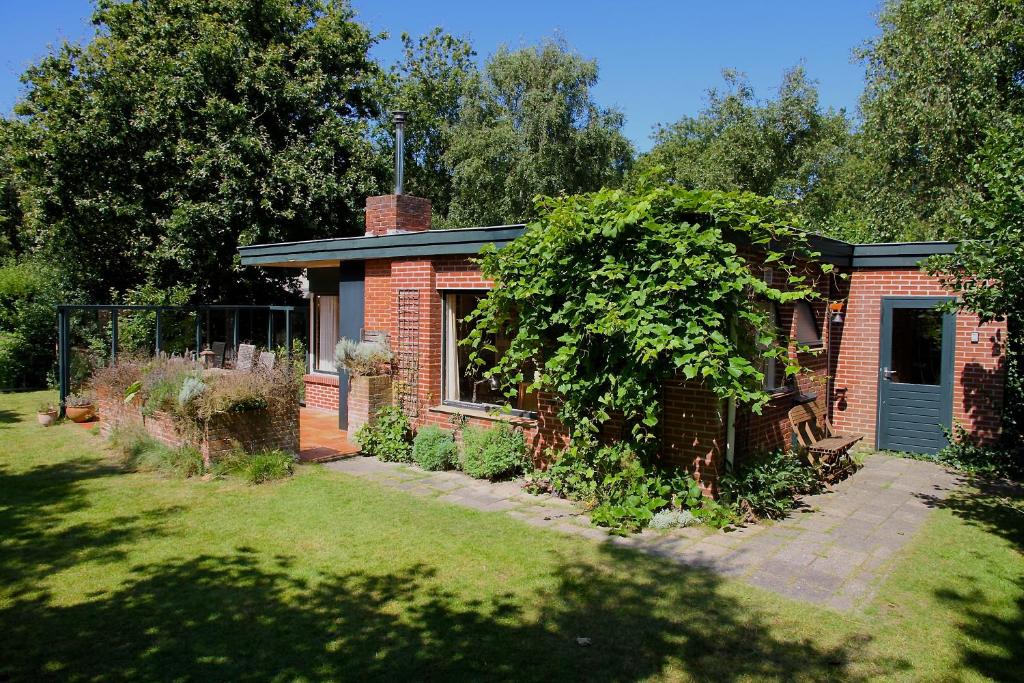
324,333
463,384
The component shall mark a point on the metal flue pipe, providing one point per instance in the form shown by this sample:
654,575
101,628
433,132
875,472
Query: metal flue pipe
399,119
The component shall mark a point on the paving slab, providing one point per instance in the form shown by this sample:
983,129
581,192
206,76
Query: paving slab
833,550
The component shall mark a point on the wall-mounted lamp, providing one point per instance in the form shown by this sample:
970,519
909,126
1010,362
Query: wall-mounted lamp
836,307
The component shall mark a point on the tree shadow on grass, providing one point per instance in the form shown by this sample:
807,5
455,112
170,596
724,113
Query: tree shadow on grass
996,632
240,616
35,535
8,417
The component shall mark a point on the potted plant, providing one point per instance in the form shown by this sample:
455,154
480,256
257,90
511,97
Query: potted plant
78,408
47,414
369,369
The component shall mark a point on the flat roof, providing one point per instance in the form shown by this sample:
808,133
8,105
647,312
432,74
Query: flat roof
329,252
469,241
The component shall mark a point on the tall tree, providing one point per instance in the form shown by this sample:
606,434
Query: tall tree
529,126
11,217
429,82
938,77
987,270
186,128
782,147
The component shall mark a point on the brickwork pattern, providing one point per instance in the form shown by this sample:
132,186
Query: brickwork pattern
978,368
253,430
391,213
321,391
366,397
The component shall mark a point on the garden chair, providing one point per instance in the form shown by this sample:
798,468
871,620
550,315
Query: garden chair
218,354
827,451
266,361
245,358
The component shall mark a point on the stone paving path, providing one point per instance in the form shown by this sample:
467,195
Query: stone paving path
833,551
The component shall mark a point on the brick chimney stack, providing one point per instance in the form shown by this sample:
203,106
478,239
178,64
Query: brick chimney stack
396,213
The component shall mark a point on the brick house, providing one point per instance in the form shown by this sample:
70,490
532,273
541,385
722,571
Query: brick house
887,366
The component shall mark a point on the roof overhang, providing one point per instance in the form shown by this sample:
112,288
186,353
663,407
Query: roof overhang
897,254
469,241
330,252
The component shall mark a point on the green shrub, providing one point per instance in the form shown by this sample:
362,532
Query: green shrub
964,453
12,359
434,448
495,453
255,468
389,438
767,486
143,453
622,491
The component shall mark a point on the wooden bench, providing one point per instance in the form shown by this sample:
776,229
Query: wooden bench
827,451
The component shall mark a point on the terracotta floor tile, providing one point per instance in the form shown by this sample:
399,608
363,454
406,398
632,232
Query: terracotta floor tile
320,440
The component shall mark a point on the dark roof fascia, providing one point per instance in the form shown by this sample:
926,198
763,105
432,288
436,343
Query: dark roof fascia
467,241
897,254
832,250
399,245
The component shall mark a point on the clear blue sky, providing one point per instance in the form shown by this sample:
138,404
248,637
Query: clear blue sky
657,59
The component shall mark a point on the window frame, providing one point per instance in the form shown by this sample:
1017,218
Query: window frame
499,409
314,330
818,332
782,340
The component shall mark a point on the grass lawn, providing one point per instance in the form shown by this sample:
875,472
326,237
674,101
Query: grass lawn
112,575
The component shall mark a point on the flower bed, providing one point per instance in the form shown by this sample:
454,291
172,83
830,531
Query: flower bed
179,403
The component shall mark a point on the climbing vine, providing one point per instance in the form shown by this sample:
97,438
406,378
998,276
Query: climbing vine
609,294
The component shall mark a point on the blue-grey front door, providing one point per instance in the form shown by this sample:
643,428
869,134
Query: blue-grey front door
915,374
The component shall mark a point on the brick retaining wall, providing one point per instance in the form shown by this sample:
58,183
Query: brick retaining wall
253,430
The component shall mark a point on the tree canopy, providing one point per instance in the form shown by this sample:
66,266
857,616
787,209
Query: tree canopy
530,126
780,147
939,75
430,82
185,128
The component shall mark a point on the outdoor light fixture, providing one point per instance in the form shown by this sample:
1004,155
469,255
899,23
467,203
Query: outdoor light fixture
837,312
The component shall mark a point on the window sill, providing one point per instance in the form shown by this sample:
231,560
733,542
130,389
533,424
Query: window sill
813,348
483,414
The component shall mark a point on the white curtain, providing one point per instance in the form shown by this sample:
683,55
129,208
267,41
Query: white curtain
451,350
327,335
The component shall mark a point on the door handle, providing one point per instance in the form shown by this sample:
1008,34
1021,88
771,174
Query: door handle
888,374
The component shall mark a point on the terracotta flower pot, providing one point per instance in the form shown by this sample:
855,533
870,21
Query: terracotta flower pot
48,418
79,413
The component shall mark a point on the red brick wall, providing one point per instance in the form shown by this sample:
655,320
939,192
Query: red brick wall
978,369
693,419
321,391
771,430
253,430
366,397
396,213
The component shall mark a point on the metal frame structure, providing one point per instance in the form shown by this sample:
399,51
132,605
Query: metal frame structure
64,328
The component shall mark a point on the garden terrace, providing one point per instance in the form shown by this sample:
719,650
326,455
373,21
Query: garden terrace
93,335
